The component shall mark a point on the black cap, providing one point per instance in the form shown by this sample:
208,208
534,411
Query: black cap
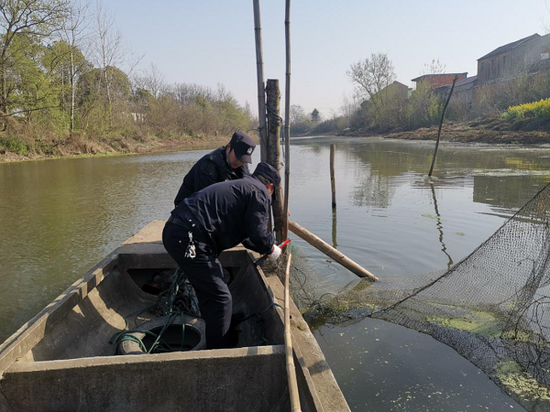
243,145
268,172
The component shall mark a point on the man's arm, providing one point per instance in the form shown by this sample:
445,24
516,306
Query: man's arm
256,219
205,175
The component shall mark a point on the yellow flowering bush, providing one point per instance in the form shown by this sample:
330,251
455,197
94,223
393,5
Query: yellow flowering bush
540,109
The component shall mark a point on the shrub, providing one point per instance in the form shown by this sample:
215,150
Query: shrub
15,145
540,110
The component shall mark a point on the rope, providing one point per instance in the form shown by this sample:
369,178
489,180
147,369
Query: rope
167,307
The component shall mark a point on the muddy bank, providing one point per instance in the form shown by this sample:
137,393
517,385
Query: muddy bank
495,131
78,146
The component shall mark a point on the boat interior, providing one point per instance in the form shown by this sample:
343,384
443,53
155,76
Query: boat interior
62,359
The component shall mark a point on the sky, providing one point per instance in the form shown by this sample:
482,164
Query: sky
212,41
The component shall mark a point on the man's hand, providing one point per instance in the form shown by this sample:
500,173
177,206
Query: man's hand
275,253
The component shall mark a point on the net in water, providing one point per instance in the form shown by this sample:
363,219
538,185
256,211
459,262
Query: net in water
493,307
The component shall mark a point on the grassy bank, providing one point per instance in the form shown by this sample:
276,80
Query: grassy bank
496,130
77,146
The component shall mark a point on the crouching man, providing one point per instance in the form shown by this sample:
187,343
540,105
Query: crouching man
212,220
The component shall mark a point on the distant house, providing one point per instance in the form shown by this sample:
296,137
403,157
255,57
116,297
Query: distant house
396,90
438,80
462,92
524,55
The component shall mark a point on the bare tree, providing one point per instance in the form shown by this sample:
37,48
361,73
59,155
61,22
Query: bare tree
349,105
372,75
107,49
33,18
435,67
187,93
74,34
152,81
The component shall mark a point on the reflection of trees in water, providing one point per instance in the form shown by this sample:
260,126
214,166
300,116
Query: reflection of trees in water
372,190
378,162
509,192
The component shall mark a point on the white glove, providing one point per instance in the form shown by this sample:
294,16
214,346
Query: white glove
275,253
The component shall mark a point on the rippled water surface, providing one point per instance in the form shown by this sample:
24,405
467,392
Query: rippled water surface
60,217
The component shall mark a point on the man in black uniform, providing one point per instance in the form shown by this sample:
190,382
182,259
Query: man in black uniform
214,219
225,163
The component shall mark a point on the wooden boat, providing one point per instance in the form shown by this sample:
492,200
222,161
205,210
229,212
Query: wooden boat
61,360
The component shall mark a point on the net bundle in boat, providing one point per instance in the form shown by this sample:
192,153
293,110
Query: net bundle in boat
493,307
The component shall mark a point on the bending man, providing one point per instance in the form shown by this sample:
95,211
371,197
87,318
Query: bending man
214,219
225,163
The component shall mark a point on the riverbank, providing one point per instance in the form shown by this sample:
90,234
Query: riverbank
491,130
81,147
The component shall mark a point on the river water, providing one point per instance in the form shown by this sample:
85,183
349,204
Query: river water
60,217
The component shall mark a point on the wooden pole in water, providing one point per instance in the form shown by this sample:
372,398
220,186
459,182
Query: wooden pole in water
290,368
287,120
332,178
441,125
328,250
274,150
260,79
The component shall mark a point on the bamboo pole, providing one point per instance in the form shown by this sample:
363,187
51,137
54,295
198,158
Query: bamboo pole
328,250
287,120
441,125
290,368
260,79
332,178
274,122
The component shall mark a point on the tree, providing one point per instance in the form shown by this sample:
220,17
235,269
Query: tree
151,80
315,116
35,19
107,51
435,67
73,34
372,75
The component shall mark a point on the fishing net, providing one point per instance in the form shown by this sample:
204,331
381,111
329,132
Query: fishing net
493,307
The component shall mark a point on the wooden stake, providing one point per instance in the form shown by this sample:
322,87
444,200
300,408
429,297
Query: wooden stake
261,84
332,178
290,368
441,125
328,250
287,121
274,150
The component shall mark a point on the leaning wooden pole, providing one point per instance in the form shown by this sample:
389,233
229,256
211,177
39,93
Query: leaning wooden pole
261,84
441,125
274,122
287,121
330,251
290,368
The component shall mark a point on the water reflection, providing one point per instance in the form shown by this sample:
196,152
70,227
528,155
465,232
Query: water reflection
440,227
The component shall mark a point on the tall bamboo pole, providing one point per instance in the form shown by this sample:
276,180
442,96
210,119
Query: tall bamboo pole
287,120
261,84
441,125
290,368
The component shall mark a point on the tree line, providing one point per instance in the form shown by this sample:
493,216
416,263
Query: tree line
379,106
66,76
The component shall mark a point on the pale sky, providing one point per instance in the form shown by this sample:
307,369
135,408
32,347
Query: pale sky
212,41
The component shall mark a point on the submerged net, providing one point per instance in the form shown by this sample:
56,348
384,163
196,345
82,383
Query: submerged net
493,307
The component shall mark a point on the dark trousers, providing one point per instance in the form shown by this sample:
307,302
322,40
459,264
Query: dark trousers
206,276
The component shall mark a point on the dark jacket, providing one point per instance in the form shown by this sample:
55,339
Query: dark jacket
228,213
211,168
